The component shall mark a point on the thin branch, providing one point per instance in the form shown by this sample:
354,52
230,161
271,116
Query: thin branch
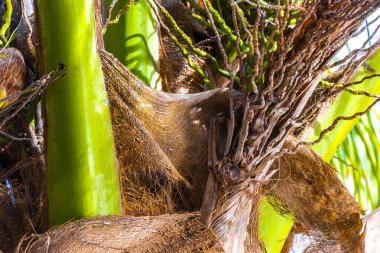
13,138
109,14
29,94
336,121
347,85
364,28
272,6
119,14
345,163
231,122
355,52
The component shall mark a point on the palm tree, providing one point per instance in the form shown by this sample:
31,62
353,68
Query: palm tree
276,54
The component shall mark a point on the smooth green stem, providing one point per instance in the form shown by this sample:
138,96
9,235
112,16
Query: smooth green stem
7,22
273,227
82,173
134,40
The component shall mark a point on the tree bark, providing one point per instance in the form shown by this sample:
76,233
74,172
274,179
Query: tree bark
166,233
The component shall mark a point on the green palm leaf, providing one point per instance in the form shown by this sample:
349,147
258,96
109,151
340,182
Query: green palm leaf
357,160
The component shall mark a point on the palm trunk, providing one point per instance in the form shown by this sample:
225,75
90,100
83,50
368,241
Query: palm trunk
229,213
304,190
80,156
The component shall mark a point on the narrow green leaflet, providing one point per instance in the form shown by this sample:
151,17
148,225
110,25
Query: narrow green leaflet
357,161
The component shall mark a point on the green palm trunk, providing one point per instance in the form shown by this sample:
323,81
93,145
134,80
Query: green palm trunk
134,40
82,172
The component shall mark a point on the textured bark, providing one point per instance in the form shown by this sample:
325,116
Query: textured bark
161,141
166,233
164,169
308,188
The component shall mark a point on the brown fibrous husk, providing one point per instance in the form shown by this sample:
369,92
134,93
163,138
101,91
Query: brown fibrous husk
304,185
308,188
161,141
165,233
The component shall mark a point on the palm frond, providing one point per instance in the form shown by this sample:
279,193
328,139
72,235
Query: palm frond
357,160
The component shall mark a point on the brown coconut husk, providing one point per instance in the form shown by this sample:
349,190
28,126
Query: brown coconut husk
161,141
304,185
164,169
165,233
161,144
308,188
14,221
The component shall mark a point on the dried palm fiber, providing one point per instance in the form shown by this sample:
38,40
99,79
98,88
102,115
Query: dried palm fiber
188,156
160,177
22,195
291,75
13,220
308,188
166,233
175,70
12,80
294,74
161,141
370,236
176,75
137,97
